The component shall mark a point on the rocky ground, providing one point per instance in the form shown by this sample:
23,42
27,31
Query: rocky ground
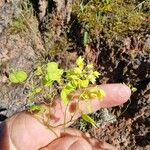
28,36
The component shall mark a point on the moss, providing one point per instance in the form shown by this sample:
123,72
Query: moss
18,26
110,17
22,22
59,46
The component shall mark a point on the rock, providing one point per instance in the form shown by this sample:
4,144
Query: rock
2,2
17,52
7,12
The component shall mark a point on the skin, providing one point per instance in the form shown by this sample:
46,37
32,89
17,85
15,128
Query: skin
23,131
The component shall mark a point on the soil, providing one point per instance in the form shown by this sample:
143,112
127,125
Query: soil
119,61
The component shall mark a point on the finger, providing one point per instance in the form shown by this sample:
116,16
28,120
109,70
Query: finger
116,94
26,132
100,145
23,126
95,143
73,132
68,143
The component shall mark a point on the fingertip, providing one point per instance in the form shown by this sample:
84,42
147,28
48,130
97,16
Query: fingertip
125,91
116,94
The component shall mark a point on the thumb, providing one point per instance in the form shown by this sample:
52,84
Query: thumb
68,143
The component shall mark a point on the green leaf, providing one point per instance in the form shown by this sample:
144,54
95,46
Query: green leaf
74,83
17,76
84,83
36,107
47,82
52,66
63,95
90,66
81,6
85,38
133,89
53,74
106,1
96,74
72,77
36,91
65,92
38,71
84,95
78,70
70,87
100,94
93,95
88,119
96,93
91,78
80,62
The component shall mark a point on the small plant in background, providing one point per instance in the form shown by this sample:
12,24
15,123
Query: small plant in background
133,89
111,18
23,19
85,38
18,26
17,76
50,81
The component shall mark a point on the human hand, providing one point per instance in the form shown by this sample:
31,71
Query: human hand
24,132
